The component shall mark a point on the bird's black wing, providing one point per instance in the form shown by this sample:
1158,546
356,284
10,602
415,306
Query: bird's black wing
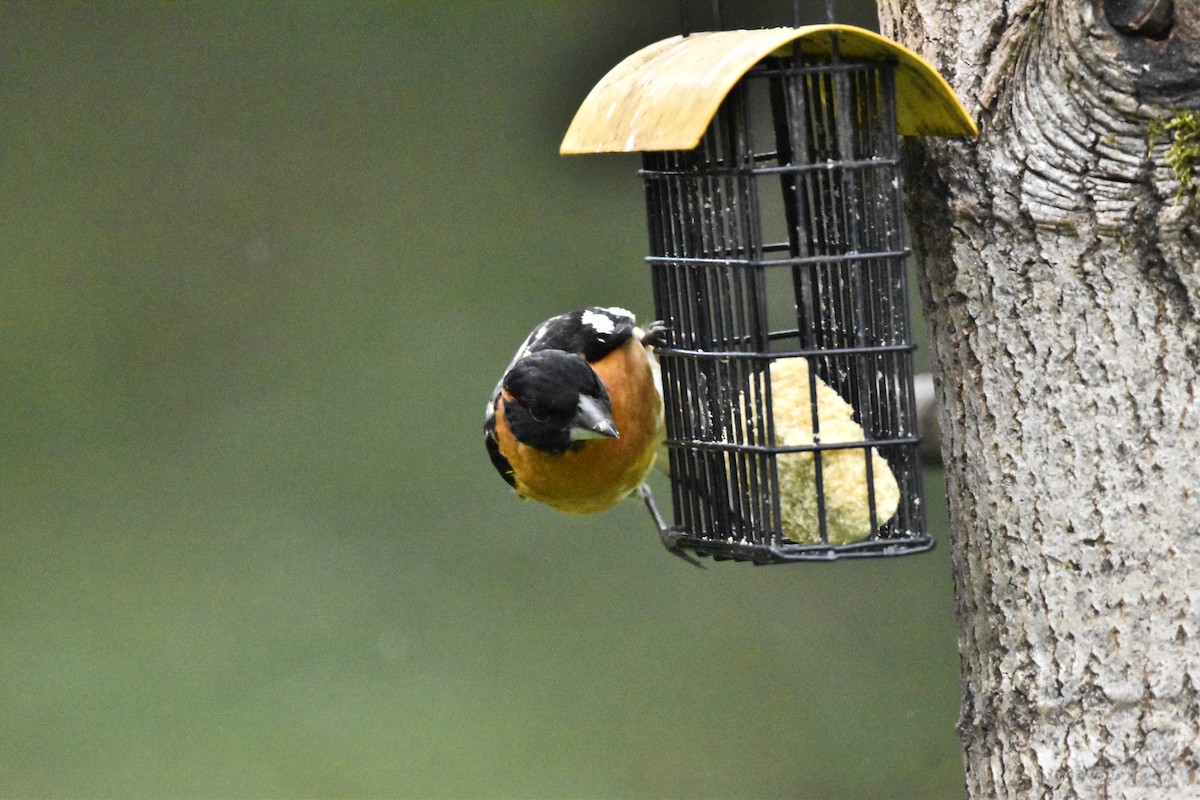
493,448
590,332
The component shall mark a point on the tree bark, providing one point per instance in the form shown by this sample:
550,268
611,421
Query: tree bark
1061,278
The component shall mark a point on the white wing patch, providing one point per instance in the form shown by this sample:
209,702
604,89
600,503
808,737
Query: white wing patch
617,311
599,322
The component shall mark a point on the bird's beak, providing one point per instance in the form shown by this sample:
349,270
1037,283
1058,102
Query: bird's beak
592,421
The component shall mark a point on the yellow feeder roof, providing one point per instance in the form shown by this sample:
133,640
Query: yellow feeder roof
664,96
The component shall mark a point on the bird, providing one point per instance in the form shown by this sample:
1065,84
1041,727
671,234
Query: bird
576,420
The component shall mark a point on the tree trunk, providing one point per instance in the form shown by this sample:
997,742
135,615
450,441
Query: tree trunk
1061,276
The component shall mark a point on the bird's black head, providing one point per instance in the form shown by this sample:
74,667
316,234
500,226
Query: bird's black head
558,402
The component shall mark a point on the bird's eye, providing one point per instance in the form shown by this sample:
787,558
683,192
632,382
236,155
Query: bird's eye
538,415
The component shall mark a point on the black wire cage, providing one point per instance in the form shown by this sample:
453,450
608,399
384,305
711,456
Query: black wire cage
777,256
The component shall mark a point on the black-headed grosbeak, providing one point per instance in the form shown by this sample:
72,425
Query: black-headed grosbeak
577,418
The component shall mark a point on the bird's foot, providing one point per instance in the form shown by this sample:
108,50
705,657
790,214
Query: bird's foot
670,538
657,334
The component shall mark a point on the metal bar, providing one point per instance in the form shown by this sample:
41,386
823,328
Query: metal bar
818,166
734,447
831,258
726,355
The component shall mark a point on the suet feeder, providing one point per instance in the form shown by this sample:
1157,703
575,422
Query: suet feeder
777,257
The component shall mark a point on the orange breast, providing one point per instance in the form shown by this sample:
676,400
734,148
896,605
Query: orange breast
601,472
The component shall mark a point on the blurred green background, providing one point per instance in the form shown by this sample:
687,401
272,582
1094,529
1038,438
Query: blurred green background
262,265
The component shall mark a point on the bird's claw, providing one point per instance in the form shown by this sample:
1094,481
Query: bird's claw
669,538
657,334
